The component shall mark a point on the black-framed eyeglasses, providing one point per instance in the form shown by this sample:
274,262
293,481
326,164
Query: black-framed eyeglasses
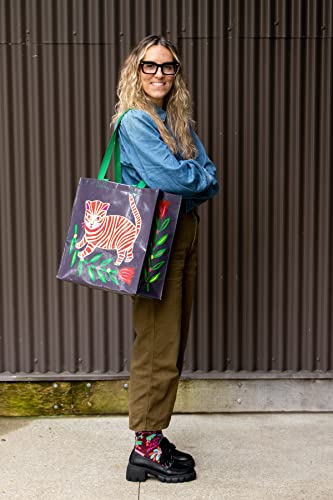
151,68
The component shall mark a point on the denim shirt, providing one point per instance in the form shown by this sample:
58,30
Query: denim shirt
145,156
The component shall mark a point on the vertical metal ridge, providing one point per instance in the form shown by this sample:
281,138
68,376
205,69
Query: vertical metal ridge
8,337
293,244
278,215
308,222
231,194
247,154
265,165
19,200
324,235
216,117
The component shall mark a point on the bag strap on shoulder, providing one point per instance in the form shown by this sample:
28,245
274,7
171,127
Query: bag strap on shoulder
112,146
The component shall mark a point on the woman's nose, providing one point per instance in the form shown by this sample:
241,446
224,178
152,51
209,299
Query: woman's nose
159,72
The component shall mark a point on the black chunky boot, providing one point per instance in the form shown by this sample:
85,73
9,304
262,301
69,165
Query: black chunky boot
168,470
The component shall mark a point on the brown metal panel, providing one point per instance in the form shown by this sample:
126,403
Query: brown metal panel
261,78
75,21
284,19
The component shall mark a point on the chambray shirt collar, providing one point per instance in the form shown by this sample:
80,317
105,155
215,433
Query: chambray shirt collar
161,113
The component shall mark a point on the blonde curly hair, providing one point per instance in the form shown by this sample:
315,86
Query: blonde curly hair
177,103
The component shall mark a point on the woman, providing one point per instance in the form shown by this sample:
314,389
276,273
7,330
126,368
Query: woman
158,145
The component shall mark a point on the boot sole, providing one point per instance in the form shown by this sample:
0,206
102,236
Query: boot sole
140,474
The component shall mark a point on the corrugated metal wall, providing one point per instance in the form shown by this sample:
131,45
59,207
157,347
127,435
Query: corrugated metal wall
261,78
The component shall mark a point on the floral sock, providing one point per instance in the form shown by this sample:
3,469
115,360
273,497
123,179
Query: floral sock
147,444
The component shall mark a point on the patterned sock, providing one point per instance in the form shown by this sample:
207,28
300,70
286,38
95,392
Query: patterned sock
147,444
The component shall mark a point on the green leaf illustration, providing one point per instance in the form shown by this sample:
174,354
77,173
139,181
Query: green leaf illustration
114,279
72,245
154,278
158,265
106,261
159,253
80,267
101,276
146,275
91,274
165,224
96,257
74,258
162,240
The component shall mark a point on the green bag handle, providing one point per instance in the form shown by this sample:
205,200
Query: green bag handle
114,146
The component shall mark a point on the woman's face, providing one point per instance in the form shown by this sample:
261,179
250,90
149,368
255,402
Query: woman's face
157,86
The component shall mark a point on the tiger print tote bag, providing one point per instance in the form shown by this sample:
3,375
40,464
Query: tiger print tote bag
119,237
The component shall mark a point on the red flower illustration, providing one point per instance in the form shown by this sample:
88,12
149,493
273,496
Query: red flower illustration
126,274
162,208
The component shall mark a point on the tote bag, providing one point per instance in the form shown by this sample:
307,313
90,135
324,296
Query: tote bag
119,237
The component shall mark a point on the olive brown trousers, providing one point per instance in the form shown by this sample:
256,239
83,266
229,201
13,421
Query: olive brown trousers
161,331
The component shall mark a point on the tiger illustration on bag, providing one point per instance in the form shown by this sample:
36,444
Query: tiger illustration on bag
110,232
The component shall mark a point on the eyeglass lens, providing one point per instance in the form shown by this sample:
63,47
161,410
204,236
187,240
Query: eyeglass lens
151,68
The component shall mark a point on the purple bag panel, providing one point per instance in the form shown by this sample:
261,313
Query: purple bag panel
157,257
108,235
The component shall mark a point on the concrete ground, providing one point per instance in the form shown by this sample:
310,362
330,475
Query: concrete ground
239,456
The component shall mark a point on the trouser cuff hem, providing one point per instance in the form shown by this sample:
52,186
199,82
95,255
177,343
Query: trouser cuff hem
151,427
